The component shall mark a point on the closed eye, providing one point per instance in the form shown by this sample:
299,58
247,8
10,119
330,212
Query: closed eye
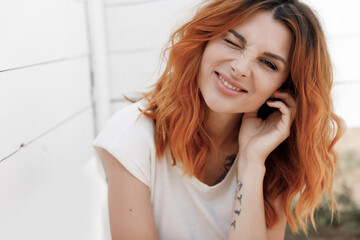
269,64
232,44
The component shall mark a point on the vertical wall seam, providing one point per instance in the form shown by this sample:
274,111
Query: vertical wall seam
91,68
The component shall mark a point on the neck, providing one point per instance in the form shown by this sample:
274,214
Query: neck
223,128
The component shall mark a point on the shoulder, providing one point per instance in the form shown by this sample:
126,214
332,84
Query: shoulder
129,137
127,123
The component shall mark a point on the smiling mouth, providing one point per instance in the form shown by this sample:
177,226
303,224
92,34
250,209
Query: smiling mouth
228,85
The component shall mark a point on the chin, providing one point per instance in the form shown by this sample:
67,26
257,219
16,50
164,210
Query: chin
219,106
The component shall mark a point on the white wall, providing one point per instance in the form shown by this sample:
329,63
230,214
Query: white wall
341,22
49,181
136,32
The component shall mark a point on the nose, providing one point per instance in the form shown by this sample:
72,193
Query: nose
241,66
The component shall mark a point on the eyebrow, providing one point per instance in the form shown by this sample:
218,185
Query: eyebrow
269,54
272,55
238,36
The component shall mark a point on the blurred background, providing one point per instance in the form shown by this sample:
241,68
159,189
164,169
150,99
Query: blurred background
64,67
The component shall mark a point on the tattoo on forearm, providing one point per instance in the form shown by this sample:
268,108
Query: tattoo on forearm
233,224
238,197
229,160
239,186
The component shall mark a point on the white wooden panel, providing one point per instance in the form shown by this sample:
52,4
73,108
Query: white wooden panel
132,72
347,102
33,100
145,26
339,18
344,52
41,30
99,62
51,190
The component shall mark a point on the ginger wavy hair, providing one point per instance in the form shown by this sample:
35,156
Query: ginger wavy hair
302,167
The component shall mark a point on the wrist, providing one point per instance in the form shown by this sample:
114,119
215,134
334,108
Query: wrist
251,157
253,164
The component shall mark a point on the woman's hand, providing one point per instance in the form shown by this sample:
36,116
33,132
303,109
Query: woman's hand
257,137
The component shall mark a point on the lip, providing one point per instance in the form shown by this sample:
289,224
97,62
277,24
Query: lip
220,85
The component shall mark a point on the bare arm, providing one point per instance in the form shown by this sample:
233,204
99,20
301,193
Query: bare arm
248,216
130,210
257,139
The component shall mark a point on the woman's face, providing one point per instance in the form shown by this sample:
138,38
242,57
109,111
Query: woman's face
242,69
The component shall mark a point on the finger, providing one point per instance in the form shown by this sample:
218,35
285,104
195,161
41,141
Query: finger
288,100
284,109
286,97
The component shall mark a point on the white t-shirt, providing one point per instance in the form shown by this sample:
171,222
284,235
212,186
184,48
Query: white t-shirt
184,208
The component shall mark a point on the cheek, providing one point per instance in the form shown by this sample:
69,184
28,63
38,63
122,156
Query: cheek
267,83
205,63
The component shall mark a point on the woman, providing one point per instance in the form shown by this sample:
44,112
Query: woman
239,125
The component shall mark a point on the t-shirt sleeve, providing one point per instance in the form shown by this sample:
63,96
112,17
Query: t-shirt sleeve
130,140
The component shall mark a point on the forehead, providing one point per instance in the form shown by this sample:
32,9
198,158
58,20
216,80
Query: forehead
265,33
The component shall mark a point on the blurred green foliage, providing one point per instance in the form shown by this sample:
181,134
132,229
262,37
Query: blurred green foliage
345,224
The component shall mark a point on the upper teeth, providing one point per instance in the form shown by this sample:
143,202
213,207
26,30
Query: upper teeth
228,85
